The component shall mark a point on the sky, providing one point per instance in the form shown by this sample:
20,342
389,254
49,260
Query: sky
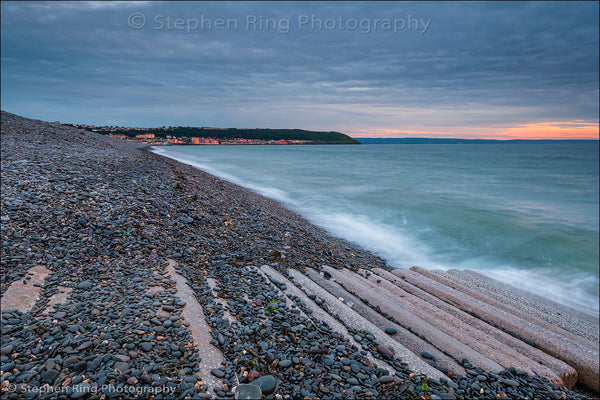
499,70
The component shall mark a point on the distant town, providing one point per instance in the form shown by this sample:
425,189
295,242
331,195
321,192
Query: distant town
166,136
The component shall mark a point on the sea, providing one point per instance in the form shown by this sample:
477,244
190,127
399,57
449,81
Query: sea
523,213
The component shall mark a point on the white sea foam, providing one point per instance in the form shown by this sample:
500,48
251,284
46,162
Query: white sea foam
569,291
400,250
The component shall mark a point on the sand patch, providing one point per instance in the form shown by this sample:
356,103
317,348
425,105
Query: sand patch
23,296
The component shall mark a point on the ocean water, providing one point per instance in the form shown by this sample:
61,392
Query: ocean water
526,214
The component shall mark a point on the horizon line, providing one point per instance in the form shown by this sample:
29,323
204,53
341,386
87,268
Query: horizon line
478,139
353,135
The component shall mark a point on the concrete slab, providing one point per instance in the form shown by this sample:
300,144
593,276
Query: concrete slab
200,330
23,296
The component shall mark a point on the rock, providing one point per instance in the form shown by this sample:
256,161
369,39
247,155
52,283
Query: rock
383,350
80,366
426,355
269,358
510,382
60,315
71,360
6,350
85,285
49,376
267,383
146,346
84,345
5,367
390,331
185,219
284,363
81,390
217,372
121,366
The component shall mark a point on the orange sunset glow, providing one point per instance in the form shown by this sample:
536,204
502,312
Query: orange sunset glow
552,130
541,130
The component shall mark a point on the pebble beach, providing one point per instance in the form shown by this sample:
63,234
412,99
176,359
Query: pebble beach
126,274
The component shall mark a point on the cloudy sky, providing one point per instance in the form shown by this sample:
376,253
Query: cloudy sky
385,69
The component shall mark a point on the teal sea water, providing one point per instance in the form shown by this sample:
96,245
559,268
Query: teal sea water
525,213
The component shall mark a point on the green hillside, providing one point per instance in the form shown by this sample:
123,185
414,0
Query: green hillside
231,133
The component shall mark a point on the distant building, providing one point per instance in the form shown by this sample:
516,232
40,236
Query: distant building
118,136
145,136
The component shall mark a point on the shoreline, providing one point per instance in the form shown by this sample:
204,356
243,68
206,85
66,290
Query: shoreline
104,217
544,284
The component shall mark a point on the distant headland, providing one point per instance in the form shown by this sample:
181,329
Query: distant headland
207,135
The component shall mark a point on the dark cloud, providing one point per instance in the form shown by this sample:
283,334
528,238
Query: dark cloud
313,65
